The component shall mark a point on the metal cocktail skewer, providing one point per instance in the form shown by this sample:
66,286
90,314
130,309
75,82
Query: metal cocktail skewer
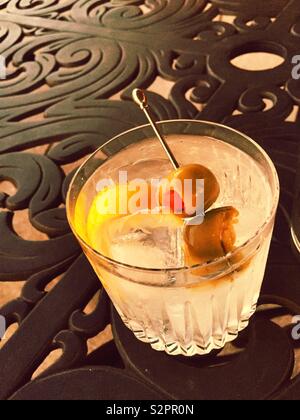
140,99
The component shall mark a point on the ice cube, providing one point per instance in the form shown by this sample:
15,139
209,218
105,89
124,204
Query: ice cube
149,245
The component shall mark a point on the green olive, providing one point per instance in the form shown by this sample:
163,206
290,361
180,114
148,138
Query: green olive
196,172
214,238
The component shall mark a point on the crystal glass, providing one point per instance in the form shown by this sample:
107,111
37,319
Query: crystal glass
295,222
183,309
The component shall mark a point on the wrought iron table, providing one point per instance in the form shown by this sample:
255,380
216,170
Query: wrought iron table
71,66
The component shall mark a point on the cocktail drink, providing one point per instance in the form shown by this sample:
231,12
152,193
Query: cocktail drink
186,285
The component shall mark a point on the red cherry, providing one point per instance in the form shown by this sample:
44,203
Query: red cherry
174,201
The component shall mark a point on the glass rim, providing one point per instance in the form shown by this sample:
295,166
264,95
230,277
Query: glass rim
212,263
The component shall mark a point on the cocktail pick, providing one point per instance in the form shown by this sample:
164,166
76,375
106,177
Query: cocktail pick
140,99
183,172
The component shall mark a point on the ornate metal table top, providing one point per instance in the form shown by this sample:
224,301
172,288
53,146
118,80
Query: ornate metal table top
70,69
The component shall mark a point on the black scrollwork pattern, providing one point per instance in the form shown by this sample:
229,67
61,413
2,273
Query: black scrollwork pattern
70,69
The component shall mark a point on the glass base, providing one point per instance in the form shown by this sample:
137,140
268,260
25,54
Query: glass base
191,348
